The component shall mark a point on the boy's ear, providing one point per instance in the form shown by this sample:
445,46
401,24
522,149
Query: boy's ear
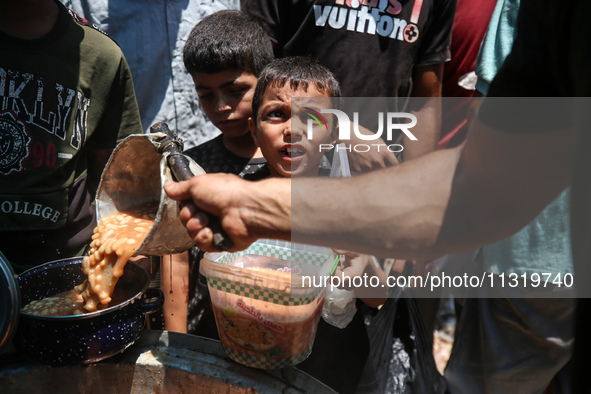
253,131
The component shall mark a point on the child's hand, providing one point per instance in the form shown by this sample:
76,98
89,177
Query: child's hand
353,264
373,159
362,273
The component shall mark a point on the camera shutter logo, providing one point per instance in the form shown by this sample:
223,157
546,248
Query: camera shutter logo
316,116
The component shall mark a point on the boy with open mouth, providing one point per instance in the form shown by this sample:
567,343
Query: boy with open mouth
291,91
279,125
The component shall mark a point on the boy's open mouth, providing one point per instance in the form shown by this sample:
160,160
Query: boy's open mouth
292,152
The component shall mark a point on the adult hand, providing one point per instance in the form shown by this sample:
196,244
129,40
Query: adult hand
247,210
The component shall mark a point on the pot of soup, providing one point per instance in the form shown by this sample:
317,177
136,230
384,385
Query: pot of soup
53,326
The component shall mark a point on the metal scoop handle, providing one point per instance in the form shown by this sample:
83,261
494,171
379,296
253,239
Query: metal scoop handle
181,171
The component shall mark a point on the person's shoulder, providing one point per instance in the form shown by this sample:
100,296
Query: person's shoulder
84,22
213,144
210,150
93,33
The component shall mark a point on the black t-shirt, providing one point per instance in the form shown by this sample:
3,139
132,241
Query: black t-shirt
214,157
551,57
370,50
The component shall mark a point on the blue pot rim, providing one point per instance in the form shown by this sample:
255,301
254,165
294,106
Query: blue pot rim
76,261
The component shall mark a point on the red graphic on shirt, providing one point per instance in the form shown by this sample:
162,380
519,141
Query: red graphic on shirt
394,6
374,17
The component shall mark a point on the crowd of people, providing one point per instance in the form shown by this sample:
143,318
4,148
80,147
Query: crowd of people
492,182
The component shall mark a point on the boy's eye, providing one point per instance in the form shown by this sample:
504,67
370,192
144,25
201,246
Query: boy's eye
275,114
204,96
237,92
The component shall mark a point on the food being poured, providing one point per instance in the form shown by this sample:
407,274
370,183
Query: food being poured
115,240
134,175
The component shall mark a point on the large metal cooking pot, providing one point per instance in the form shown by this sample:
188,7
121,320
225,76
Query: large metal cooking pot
159,362
85,338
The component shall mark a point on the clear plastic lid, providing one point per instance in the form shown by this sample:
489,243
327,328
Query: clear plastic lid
289,268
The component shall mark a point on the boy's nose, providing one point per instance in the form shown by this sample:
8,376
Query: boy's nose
222,105
294,129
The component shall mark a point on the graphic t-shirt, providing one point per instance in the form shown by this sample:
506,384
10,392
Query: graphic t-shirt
62,98
371,46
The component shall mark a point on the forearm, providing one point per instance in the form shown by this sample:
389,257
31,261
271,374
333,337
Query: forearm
427,131
440,203
443,202
393,214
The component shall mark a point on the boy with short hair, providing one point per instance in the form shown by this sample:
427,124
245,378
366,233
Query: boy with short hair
224,53
279,128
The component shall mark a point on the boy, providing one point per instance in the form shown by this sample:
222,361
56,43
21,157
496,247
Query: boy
224,54
279,128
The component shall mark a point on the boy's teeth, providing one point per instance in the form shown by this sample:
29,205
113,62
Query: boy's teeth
297,151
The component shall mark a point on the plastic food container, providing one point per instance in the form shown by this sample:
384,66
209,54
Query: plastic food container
267,300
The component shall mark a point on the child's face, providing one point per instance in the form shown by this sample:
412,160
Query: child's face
226,98
281,131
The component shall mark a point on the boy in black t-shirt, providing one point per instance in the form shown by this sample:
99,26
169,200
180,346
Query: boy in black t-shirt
290,91
224,54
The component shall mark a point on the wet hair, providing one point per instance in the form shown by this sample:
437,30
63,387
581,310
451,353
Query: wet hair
226,40
299,72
